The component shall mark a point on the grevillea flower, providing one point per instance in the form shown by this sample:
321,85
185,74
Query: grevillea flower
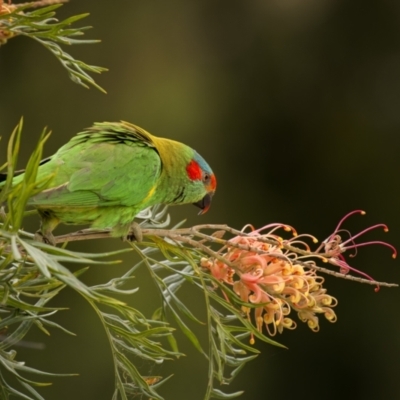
265,275
277,275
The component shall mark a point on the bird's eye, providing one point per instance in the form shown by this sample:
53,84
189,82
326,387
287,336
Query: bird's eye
206,178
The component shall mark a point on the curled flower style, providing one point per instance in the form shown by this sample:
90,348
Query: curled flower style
269,277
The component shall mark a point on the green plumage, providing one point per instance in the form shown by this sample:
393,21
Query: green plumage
105,175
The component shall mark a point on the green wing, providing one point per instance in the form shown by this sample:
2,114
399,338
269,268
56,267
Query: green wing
108,165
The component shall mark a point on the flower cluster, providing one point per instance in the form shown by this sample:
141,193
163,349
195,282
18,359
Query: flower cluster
276,276
268,277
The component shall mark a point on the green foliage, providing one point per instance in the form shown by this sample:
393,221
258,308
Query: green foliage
227,327
32,274
42,26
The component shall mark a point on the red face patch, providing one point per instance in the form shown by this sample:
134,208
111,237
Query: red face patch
213,182
194,171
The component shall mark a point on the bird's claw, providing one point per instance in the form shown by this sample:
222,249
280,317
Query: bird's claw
47,239
135,233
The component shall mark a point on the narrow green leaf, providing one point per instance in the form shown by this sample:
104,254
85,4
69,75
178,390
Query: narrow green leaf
188,333
218,394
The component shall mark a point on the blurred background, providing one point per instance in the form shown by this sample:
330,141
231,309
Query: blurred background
296,106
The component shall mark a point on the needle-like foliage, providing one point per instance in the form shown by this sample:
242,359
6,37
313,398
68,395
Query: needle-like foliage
32,273
41,25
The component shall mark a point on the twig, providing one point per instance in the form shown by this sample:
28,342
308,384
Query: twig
34,4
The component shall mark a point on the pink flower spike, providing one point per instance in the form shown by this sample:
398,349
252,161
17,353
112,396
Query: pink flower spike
274,279
355,246
385,228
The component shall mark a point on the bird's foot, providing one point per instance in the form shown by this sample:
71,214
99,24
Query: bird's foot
47,239
134,234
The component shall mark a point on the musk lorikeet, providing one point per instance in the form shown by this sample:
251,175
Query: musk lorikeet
108,173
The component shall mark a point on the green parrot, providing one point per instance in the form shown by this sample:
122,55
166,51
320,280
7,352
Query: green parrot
105,175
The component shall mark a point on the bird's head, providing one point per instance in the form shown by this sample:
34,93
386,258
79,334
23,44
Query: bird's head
202,183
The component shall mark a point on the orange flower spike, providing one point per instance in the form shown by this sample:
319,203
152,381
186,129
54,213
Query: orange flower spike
273,281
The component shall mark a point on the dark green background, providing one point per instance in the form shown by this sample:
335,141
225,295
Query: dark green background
296,106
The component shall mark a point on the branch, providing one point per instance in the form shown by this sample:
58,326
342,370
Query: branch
185,236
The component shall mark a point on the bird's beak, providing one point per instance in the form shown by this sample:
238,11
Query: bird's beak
204,203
